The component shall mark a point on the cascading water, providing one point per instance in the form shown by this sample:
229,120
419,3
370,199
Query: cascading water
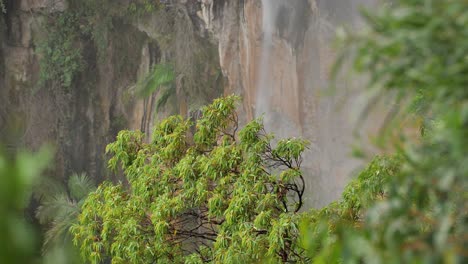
275,119
270,13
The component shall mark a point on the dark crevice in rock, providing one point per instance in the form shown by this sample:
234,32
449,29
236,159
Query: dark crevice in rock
293,21
10,6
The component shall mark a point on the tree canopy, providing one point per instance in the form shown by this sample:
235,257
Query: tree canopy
220,194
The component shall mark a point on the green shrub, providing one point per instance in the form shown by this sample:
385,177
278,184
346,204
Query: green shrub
61,52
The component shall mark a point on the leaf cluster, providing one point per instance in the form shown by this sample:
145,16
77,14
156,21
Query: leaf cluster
217,196
160,79
321,228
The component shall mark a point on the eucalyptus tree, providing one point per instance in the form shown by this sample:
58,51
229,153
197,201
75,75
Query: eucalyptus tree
219,195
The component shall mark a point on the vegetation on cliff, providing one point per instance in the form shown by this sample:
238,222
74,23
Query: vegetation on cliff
69,33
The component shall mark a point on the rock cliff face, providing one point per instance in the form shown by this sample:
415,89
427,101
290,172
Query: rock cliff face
80,120
275,53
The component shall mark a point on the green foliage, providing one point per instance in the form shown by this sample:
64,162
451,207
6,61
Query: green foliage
2,6
60,207
414,48
18,239
369,186
160,78
99,17
217,197
418,50
111,9
61,51
142,7
321,227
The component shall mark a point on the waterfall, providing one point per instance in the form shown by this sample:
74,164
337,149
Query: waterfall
270,10
273,114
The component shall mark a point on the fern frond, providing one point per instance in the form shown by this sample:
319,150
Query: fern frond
54,207
58,233
47,187
164,96
161,74
79,186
